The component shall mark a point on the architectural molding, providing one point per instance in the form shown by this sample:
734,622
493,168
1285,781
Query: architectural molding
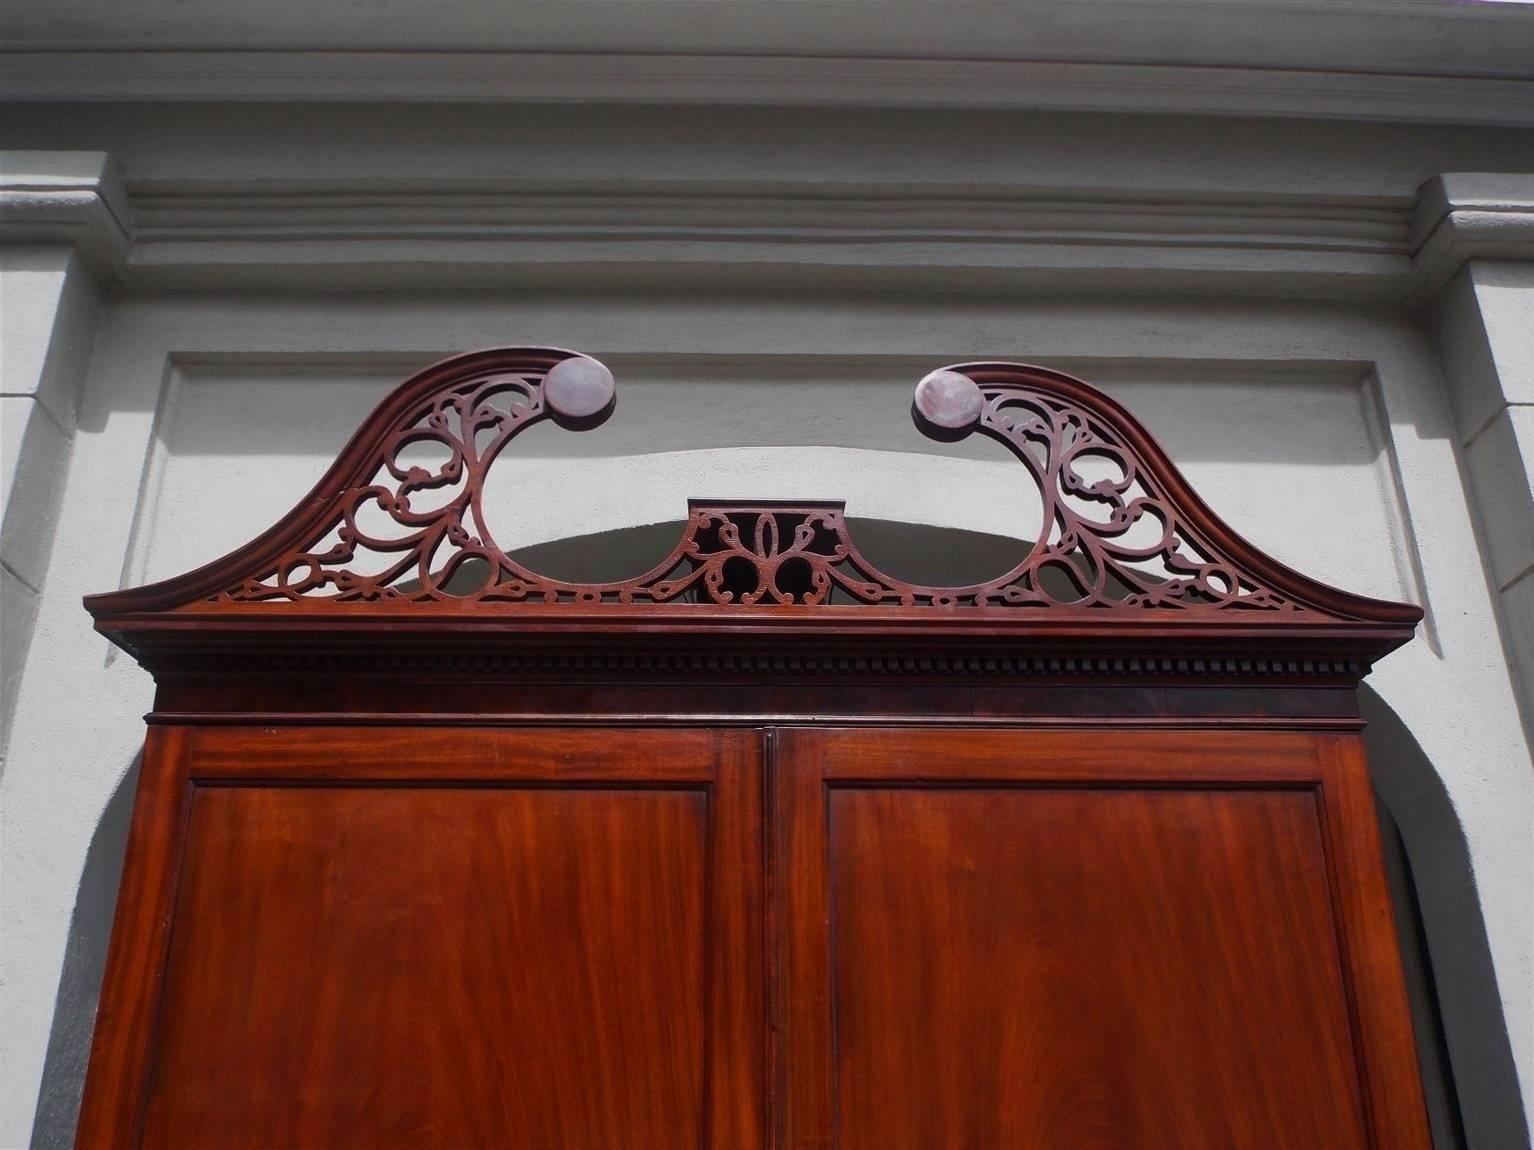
319,234
824,81
1463,216
77,198
980,237
983,237
465,658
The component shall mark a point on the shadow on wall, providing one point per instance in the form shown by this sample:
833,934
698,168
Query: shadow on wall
85,956
1468,1072
1468,1069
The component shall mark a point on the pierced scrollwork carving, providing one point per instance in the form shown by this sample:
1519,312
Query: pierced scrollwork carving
1115,534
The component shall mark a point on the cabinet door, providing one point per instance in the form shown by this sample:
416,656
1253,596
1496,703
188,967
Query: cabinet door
438,938
1065,940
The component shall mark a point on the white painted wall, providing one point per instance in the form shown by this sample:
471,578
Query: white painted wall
1289,369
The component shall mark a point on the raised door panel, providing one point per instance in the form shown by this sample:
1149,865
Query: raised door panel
460,938
1069,940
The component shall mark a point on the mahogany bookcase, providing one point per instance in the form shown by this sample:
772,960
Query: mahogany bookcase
763,847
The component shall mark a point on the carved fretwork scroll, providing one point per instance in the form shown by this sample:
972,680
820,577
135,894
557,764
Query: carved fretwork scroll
400,518
419,532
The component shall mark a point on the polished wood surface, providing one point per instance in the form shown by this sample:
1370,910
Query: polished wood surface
112,1104
343,936
363,967
1080,939
507,939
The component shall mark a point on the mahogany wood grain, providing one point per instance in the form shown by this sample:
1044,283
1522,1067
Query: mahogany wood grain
1381,1023
472,938
1104,939
112,1106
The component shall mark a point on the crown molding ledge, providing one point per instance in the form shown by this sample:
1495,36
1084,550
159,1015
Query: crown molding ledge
316,234
496,232
279,75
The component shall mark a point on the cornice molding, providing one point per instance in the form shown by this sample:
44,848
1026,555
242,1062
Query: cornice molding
336,234
327,234
66,75
801,662
75,198
666,209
